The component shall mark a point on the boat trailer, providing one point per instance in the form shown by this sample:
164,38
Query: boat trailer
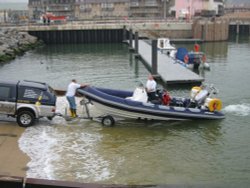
106,120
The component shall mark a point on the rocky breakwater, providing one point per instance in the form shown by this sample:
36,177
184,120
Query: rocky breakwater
13,43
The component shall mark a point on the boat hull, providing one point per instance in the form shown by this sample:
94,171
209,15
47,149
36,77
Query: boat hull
124,113
114,102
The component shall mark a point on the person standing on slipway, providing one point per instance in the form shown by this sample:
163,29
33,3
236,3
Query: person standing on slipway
70,95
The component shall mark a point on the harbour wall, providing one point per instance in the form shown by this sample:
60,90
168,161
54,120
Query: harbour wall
107,32
79,36
211,30
206,30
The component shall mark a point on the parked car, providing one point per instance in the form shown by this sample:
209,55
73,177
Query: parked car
27,101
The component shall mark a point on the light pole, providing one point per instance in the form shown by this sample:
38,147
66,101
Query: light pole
190,9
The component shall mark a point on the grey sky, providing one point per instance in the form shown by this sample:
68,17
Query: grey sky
13,1
26,1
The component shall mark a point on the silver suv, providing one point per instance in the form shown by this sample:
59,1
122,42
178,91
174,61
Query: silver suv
27,101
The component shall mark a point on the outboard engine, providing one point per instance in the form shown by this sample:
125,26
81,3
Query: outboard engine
194,91
201,97
198,95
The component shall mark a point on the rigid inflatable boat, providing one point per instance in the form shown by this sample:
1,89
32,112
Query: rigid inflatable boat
164,46
134,105
192,59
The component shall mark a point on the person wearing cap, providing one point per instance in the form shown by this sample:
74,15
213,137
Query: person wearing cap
70,95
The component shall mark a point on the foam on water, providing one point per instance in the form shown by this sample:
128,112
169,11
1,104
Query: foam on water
64,151
53,150
238,109
62,105
37,144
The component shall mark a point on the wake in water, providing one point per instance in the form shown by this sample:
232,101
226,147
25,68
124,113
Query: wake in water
238,109
64,152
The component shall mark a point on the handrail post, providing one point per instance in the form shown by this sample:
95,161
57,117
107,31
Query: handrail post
136,42
130,37
154,57
124,34
237,28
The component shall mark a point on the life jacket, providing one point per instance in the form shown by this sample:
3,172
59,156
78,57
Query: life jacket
166,98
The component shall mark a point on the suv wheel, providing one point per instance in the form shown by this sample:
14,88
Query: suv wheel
25,118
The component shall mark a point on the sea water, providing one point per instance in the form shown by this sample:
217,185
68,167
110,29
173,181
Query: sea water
138,152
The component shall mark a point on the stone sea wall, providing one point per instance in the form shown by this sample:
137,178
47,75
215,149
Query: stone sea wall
14,43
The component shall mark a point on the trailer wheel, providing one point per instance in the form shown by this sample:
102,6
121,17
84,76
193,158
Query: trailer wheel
25,118
108,121
50,118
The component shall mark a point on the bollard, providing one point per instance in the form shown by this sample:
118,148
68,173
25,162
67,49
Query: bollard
154,57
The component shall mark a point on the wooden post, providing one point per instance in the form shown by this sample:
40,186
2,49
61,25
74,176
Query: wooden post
154,57
130,38
124,34
204,31
136,42
237,28
136,67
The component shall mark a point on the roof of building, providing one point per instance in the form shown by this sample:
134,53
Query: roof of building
238,2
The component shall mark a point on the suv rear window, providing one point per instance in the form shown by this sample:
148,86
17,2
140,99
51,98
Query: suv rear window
32,93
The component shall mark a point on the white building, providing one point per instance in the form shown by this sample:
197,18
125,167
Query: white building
214,6
3,16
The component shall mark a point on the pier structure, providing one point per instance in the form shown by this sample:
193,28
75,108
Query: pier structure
106,31
238,19
240,25
165,67
161,65
101,31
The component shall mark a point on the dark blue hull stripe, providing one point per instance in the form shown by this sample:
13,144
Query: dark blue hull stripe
121,104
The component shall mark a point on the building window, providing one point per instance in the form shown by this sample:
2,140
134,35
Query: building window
150,3
134,3
85,7
107,6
